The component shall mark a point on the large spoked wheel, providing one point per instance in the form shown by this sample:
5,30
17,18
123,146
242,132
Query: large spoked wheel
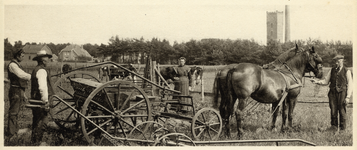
206,125
146,132
174,139
62,114
113,110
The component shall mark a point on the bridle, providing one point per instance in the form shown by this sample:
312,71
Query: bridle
315,55
314,67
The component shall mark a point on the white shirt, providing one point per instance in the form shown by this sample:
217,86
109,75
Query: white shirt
326,80
41,76
15,69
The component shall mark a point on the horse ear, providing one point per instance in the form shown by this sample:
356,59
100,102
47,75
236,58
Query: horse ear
312,49
296,49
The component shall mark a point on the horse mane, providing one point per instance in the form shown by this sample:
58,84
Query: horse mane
282,58
297,61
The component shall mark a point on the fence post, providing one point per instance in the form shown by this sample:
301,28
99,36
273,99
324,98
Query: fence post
158,69
153,77
202,87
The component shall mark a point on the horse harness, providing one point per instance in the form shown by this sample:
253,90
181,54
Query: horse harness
288,86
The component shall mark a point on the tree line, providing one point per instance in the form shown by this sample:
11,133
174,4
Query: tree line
199,52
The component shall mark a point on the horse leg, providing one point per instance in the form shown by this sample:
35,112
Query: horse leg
284,113
291,111
227,127
275,114
225,118
239,116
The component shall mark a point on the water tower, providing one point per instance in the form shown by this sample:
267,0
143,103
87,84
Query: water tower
275,25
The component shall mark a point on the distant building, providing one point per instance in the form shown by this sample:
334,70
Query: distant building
31,51
54,57
74,52
275,26
276,23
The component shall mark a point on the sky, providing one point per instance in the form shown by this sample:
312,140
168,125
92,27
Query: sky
96,22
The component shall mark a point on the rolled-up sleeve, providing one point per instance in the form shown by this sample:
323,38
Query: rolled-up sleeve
349,83
41,75
14,68
326,79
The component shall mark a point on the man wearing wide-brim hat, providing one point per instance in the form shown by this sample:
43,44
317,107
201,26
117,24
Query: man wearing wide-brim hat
41,89
340,80
18,79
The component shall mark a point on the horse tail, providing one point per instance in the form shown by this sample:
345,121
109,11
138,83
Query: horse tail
229,89
216,93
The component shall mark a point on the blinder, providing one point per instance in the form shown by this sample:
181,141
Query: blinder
314,62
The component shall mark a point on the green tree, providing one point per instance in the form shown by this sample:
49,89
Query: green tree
7,50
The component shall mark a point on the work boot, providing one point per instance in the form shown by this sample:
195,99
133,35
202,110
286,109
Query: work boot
11,140
53,125
23,131
43,144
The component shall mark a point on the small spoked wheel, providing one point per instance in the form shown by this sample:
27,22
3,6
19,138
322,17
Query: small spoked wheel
112,110
174,139
63,115
206,125
145,133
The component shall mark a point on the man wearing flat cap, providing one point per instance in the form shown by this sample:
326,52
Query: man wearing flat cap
41,89
340,80
18,83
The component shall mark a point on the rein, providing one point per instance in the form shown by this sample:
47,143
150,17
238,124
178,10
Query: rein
287,67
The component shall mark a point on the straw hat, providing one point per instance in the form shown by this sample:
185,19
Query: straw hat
42,53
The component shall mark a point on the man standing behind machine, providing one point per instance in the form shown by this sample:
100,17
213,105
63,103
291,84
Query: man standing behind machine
41,89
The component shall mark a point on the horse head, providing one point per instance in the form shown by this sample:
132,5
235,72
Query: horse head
196,73
168,73
314,64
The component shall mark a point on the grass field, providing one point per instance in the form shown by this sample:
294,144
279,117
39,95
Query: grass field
310,121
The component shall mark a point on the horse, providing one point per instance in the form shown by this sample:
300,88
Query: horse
220,79
66,68
116,73
246,80
196,74
168,73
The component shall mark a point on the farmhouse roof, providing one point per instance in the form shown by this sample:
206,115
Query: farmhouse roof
78,50
33,49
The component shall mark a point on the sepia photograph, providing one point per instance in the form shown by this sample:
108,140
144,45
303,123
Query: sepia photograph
252,74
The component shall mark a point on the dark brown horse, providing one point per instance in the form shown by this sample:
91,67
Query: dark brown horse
246,80
220,80
168,73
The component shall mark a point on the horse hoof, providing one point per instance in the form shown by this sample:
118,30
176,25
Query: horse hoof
286,129
240,136
271,128
259,130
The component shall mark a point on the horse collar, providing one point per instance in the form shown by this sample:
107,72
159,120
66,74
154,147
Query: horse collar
288,86
287,67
